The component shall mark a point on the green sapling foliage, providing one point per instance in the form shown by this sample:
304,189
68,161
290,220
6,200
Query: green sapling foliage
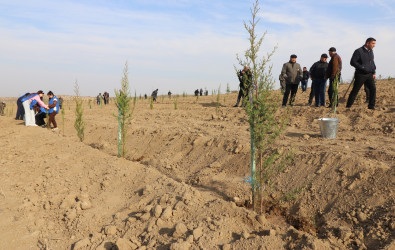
266,121
125,111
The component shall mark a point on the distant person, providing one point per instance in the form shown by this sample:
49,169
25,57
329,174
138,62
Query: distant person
333,73
201,92
30,119
292,72
318,73
154,94
53,105
2,108
106,97
169,94
245,81
305,79
365,72
206,92
20,112
145,96
197,92
60,102
98,99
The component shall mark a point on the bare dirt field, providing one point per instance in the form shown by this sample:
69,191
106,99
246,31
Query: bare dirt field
181,185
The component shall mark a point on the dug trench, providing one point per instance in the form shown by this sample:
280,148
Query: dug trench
333,183
337,181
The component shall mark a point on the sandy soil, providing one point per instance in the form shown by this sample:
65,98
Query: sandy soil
181,185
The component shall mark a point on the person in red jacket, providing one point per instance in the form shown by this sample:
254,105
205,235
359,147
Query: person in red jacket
333,73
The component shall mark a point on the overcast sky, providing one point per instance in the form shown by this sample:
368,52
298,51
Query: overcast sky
175,45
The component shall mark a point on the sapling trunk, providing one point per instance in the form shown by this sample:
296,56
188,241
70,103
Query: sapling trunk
218,98
79,123
335,88
62,112
176,103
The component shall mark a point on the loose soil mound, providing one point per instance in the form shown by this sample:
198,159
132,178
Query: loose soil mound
181,185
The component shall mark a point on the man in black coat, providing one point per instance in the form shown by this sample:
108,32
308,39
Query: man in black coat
365,72
318,74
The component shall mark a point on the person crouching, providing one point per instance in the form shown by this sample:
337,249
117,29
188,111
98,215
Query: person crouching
53,106
41,113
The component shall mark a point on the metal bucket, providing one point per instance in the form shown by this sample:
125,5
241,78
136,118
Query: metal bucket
328,127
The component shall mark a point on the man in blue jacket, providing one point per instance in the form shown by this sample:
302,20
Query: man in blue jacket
365,72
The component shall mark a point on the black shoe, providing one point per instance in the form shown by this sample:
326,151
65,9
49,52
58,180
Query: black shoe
235,106
372,108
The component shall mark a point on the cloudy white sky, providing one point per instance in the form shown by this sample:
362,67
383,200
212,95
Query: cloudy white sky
176,45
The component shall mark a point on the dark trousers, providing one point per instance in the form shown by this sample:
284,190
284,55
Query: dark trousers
361,79
312,94
304,84
290,88
367,93
319,91
242,94
40,118
52,119
330,91
20,112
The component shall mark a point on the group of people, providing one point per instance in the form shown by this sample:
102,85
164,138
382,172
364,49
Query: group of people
105,97
365,74
292,74
32,109
200,92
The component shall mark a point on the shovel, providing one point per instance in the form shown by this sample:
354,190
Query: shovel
343,99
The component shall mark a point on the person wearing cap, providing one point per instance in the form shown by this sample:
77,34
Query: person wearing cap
333,73
245,79
365,72
318,73
292,73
